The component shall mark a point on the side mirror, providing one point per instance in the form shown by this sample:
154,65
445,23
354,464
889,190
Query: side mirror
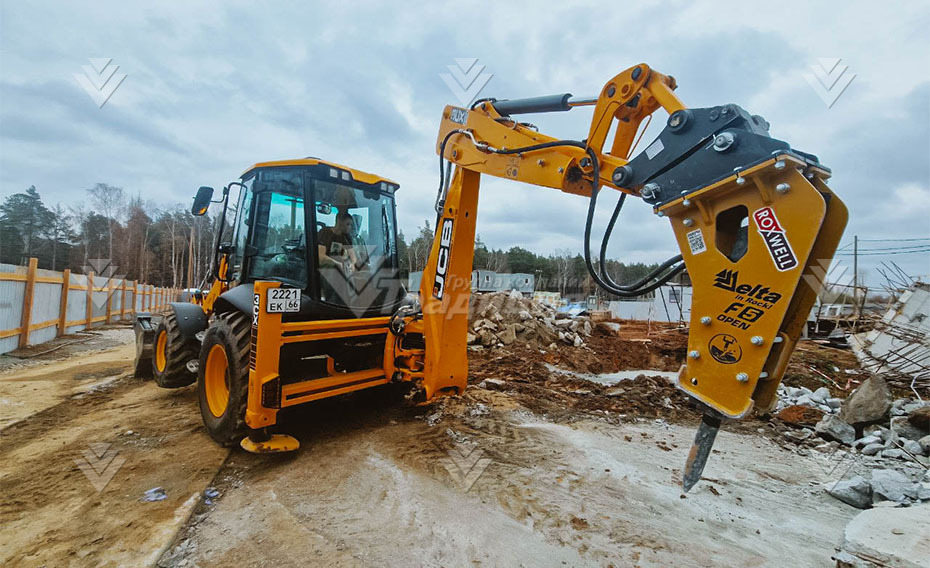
202,201
324,208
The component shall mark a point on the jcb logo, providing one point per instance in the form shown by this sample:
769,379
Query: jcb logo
442,262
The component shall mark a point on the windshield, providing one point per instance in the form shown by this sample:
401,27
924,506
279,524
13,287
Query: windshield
279,242
344,244
356,250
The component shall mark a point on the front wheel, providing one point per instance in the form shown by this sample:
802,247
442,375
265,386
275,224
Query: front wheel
223,377
171,354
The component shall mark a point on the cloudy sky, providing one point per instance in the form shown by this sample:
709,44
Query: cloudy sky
213,87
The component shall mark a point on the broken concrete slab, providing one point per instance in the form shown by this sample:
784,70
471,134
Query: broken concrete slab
832,427
798,436
855,491
901,426
866,440
492,384
925,444
887,537
508,335
869,403
872,449
912,446
893,453
891,485
821,395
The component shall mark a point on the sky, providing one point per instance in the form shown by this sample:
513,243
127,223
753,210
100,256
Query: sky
213,87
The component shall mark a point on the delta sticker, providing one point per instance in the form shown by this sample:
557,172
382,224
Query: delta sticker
775,239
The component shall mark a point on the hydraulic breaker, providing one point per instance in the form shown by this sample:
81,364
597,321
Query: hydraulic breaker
755,221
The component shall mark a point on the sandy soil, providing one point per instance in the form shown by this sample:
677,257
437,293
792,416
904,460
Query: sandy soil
51,514
34,385
547,470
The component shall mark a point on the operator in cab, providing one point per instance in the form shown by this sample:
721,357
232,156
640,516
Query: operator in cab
337,244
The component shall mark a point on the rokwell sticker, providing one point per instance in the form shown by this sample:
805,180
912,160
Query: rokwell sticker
775,239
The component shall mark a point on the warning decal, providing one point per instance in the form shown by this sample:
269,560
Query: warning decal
696,241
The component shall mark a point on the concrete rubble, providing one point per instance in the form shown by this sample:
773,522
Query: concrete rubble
832,427
889,440
803,396
499,319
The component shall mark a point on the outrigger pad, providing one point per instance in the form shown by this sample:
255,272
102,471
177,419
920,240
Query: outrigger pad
278,443
145,341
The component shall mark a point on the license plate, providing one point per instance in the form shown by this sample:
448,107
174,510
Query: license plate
283,300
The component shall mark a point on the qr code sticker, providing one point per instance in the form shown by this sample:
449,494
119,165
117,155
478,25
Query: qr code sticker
696,242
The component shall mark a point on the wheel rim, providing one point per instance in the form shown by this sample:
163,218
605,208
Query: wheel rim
161,346
214,380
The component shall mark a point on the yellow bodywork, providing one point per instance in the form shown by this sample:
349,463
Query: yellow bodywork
747,312
269,334
357,175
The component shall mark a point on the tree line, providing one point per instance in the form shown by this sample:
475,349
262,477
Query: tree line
120,235
109,232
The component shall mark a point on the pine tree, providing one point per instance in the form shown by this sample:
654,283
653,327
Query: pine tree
23,219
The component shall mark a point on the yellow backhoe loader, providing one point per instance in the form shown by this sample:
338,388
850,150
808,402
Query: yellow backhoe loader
306,302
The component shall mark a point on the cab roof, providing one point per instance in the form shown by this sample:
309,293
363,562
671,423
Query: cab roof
357,175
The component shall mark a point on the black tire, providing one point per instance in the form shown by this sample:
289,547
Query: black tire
232,333
170,367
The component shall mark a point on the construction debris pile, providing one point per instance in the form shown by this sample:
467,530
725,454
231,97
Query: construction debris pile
898,345
500,318
891,438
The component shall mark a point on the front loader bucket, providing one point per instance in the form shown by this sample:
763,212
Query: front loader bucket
145,340
757,246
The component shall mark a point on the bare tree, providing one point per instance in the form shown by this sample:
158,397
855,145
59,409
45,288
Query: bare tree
563,268
110,202
58,229
497,260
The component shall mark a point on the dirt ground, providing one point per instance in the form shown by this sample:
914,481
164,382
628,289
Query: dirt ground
541,468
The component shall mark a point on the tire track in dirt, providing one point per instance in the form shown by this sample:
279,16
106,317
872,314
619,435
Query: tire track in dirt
52,514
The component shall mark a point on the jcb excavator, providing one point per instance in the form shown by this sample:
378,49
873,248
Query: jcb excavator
306,303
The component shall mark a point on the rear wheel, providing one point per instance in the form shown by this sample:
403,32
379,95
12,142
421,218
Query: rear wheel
171,354
223,384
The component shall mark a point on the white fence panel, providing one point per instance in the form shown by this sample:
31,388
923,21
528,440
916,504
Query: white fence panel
11,306
107,298
77,303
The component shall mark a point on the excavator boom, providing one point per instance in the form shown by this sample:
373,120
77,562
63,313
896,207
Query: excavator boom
754,219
